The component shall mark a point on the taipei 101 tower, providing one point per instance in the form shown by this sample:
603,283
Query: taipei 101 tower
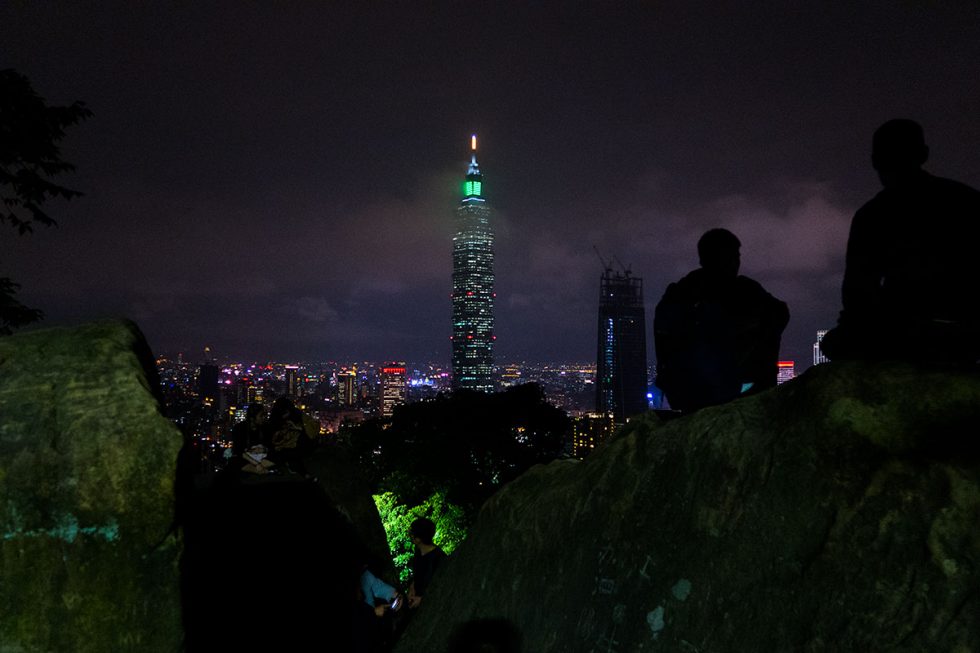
473,286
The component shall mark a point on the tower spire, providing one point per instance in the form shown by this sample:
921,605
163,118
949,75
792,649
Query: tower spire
473,187
474,170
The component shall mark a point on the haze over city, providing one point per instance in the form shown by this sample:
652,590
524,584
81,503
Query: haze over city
279,183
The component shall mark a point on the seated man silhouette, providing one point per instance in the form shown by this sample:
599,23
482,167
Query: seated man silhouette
716,332
912,271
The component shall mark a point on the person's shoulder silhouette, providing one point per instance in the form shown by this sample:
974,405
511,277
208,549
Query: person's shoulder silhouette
912,264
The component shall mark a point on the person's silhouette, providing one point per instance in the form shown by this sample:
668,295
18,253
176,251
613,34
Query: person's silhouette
716,332
912,271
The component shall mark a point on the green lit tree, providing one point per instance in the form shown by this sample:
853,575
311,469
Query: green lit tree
397,517
466,445
30,133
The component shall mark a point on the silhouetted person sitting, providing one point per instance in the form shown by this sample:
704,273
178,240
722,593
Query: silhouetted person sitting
716,332
913,262
287,436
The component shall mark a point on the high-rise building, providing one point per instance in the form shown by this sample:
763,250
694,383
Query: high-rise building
818,356
394,388
292,385
621,360
347,387
473,286
589,431
243,385
785,371
207,383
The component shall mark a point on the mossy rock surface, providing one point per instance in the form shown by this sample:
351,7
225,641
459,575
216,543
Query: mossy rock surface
840,511
87,468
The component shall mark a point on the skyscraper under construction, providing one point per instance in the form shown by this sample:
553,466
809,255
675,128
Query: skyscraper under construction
473,286
621,361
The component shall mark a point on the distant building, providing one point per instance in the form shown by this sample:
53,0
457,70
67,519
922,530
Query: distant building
394,388
472,296
786,371
331,421
207,383
818,356
621,359
589,431
244,390
347,387
292,384
510,375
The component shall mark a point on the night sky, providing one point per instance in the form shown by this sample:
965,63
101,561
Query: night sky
279,183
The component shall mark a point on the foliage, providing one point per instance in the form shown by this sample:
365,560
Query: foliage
466,444
13,314
397,517
30,132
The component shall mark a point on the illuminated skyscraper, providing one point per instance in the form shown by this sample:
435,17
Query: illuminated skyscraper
473,286
292,388
621,365
347,387
394,389
818,355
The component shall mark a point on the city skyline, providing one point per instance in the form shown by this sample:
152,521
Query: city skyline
280,183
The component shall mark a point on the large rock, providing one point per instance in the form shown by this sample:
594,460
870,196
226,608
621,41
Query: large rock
271,563
838,512
86,495
339,476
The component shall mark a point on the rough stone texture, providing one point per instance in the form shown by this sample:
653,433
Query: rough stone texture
840,511
86,494
341,479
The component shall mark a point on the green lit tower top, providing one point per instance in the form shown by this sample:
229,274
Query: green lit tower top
473,286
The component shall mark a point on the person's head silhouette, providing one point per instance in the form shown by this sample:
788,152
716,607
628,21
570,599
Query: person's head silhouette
718,252
898,150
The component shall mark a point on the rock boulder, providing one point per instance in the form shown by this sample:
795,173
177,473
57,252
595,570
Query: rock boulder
840,511
86,494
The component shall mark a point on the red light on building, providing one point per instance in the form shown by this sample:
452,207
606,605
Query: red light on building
785,371
393,370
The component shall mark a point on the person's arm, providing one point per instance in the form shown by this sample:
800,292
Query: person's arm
382,589
413,599
668,327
